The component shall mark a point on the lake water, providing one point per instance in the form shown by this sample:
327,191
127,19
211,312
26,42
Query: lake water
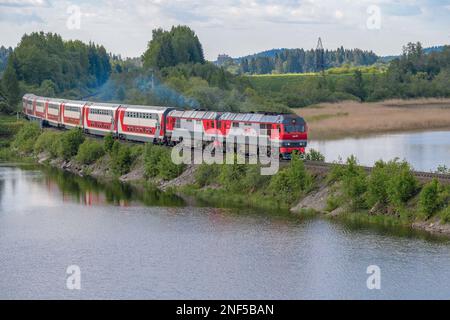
425,151
133,244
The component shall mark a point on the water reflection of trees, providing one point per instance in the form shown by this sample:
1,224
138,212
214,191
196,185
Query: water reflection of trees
90,191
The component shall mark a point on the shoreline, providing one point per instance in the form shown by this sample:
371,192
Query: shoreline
185,185
313,203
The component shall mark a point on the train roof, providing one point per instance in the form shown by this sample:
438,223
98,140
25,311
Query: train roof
194,114
28,96
252,117
102,105
138,108
54,101
76,103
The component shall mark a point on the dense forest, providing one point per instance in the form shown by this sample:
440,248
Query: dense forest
45,64
173,72
297,60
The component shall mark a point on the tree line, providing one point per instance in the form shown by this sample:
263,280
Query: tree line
173,72
43,63
413,74
299,60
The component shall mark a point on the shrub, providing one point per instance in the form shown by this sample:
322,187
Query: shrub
49,142
136,151
151,158
108,142
158,163
354,182
207,174
391,183
89,151
289,183
442,169
445,215
168,170
231,174
121,159
377,185
402,184
430,200
26,137
314,155
333,202
253,179
70,142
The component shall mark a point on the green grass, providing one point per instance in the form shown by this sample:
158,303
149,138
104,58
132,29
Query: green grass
275,82
9,125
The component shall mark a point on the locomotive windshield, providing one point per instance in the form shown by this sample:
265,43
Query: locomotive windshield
294,125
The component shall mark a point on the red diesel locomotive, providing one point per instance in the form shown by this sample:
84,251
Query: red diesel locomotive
157,124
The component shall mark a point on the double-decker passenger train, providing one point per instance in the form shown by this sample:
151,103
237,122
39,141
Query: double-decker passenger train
157,124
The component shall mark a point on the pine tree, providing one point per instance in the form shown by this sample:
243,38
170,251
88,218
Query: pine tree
10,85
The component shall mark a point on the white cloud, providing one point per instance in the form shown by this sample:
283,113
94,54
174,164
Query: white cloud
24,3
237,27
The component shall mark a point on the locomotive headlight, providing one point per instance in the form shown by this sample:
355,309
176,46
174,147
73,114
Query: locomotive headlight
292,144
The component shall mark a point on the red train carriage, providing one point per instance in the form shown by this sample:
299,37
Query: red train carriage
40,107
142,123
193,121
100,118
28,104
53,112
72,113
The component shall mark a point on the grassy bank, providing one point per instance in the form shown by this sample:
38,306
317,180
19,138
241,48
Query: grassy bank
389,195
350,119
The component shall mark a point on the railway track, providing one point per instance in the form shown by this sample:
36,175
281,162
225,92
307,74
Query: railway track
324,167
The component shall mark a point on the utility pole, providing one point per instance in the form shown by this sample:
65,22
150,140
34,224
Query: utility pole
320,57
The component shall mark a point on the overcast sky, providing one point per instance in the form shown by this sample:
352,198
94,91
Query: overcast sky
235,27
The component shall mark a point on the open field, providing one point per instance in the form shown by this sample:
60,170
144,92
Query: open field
344,119
265,83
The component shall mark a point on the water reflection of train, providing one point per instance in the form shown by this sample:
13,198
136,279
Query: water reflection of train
157,124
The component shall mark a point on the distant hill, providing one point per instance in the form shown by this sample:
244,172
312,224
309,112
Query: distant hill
285,60
428,50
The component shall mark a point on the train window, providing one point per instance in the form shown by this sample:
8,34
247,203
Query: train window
188,120
235,124
177,123
294,128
